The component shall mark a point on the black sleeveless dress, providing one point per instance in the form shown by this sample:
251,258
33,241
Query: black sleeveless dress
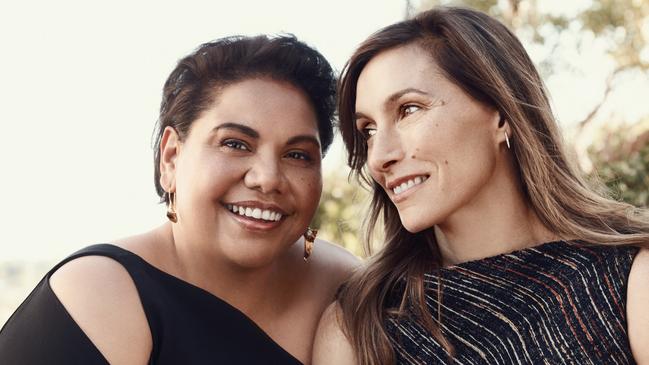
557,303
188,325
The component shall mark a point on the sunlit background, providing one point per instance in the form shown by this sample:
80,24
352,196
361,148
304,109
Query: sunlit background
81,84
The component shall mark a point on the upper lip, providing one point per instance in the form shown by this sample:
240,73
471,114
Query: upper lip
394,183
260,205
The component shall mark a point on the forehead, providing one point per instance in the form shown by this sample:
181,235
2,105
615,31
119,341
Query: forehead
408,66
263,104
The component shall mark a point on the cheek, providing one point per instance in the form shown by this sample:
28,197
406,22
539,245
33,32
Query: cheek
308,187
209,175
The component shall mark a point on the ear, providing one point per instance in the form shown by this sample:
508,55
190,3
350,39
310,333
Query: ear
169,151
503,130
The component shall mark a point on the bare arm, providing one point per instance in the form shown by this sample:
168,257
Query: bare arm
331,345
101,297
637,301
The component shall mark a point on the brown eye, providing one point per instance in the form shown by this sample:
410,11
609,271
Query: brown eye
235,144
299,156
408,109
368,132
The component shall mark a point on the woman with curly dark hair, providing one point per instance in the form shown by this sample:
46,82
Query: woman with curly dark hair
233,277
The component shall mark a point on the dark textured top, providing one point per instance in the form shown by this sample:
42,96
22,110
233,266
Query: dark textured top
557,303
188,325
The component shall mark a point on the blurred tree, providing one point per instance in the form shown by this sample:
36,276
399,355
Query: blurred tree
621,160
621,25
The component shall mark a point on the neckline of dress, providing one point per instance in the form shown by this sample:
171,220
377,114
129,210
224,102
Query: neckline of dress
221,301
542,247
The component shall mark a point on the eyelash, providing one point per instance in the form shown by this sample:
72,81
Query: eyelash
300,156
367,132
403,108
238,145
235,144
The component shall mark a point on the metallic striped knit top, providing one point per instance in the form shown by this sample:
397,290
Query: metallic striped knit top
557,303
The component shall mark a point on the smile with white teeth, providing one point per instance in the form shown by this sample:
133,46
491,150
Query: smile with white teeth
257,213
405,186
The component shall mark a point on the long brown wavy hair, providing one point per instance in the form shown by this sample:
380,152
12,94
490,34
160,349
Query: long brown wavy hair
481,56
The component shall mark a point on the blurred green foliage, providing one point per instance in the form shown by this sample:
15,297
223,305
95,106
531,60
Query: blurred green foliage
620,22
620,159
340,214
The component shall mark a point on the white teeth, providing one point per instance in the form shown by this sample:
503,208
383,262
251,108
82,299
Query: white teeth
257,213
408,184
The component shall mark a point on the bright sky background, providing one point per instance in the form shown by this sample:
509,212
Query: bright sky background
80,89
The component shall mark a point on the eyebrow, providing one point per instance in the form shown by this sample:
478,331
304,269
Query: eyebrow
254,134
403,92
394,97
304,138
238,127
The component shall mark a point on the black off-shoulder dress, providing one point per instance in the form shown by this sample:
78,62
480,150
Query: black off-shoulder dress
188,324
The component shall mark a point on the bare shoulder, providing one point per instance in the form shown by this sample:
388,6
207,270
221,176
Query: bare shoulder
331,346
637,314
101,297
330,265
333,258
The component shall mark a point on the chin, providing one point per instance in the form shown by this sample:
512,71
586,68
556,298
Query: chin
415,224
251,259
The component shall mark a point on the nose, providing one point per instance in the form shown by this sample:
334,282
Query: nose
384,150
266,176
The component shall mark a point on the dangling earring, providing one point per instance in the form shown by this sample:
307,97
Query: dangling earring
309,238
171,208
507,140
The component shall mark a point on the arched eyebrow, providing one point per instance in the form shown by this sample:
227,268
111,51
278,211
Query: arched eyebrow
304,138
238,127
250,132
394,97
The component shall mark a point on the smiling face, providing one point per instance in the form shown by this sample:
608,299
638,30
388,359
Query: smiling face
431,146
247,177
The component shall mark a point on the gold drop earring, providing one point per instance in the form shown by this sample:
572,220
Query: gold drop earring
309,239
171,208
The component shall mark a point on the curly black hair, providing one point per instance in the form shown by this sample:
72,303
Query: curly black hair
196,80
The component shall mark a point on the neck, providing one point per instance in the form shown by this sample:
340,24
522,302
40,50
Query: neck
251,290
498,220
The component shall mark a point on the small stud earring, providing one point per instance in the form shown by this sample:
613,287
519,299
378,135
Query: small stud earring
171,208
309,238
507,140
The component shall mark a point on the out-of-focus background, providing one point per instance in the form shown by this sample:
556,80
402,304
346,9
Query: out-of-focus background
81,84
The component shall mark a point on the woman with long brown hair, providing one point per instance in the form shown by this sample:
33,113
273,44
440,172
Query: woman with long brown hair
496,250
